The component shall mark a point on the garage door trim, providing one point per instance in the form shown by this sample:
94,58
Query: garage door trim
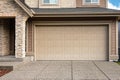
72,23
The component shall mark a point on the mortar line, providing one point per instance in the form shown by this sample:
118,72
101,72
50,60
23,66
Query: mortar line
101,70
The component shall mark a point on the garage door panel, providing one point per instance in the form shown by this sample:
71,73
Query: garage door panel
71,43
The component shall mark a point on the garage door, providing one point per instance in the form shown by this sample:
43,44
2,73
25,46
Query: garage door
71,43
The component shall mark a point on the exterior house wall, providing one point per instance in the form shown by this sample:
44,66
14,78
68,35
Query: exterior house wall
61,4
1,32
8,8
64,4
11,9
119,39
68,3
4,37
32,3
29,38
113,55
80,3
114,40
12,37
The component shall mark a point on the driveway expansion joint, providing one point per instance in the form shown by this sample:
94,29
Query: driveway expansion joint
101,70
66,70
72,71
41,71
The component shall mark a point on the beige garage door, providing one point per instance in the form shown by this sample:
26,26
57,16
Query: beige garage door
71,43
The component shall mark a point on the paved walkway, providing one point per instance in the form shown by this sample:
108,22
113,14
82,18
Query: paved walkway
66,70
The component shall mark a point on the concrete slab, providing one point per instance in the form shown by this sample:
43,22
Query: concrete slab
33,66
56,70
20,75
110,69
14,62
13,59
42,70
66,70
14,65
86,70
10,59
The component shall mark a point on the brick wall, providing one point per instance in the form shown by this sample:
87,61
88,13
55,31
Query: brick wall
29,38
1,30
61,4
80,3
64,4
32,3
4,37
12,36
114,48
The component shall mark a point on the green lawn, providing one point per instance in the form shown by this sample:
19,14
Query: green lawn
118,63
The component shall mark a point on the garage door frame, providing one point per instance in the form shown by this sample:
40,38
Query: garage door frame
71,23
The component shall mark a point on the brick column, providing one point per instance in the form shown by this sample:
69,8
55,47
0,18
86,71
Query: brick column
20,37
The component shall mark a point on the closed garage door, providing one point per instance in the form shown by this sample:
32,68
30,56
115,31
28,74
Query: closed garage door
71,43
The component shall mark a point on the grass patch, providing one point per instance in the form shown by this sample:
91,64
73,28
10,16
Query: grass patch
118,63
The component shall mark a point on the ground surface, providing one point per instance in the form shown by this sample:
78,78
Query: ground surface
66,70
4,71
118,63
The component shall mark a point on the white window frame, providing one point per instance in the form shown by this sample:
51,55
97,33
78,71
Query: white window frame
84,2
50,3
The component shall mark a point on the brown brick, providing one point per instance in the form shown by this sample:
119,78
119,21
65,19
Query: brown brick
79,3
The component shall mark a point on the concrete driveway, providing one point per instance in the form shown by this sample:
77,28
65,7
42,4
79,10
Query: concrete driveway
66,70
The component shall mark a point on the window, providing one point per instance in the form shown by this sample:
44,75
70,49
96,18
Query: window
50,1
91,1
